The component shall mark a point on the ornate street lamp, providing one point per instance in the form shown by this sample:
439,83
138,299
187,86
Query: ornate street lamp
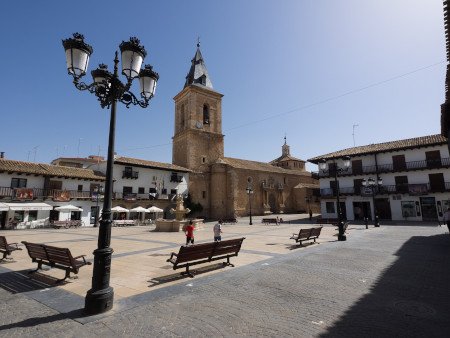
249,193
373,185
109,89
323,166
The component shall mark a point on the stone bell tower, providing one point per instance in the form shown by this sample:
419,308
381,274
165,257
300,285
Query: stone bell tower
198,139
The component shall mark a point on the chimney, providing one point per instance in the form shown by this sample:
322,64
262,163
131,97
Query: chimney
2,154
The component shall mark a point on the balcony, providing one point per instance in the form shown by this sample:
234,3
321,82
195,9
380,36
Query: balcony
130,174
410,189
390,168
29,194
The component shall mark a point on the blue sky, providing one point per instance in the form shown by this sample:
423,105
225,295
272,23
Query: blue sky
307,69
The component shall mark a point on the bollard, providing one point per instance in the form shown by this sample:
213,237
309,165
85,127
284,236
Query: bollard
366,221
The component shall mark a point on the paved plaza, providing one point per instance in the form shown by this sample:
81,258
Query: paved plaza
388,281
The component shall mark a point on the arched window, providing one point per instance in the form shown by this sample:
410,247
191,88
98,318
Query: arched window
205,114
182,116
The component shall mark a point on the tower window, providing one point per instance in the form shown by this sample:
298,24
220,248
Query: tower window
205,114
203,159
203,194
182,115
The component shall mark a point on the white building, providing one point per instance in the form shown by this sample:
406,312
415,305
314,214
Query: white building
29,192
415,176
138,182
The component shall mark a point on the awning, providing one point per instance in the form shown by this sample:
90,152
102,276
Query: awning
68,208
29,206
139,209
3,207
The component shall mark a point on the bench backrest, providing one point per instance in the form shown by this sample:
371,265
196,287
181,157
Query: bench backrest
209,250
228,246
315,232
304,233
36,251
195,252
59,255
3,243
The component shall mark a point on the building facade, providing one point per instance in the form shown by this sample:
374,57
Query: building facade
415,175
217,182
138,182
30,192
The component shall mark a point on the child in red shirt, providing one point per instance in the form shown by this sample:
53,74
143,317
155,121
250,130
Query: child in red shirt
190,233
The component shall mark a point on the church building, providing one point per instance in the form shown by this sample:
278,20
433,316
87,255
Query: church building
221,184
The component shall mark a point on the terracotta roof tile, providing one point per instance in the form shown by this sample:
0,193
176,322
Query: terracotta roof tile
410,143
260,166
149,164
48,170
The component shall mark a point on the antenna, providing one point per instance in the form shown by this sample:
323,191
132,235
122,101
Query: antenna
35,151
353,134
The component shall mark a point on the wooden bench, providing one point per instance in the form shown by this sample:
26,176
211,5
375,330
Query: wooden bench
60,224
307,235
269,221
205,252
6,248
60,258
123,223
321,220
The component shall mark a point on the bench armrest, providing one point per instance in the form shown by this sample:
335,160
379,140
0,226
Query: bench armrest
171,256
81,256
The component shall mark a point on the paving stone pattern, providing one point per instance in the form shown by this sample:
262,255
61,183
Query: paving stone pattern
386,282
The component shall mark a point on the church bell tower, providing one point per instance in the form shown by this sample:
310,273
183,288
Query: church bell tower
198,139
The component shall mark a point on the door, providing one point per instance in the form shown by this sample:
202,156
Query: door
401,184
272,202
433,158
357,184
383,208
343,210
357,168
428,206
437,183
361,210
398,162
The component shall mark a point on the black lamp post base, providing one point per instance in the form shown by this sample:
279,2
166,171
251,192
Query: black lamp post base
98,301
342,238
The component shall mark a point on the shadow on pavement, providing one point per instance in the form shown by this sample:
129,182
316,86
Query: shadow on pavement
34,321
410,299
178,276
23,281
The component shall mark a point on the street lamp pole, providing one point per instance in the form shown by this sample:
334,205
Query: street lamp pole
98,190
250,192
324,167
109,89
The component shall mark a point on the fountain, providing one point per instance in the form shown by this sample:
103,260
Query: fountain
168,225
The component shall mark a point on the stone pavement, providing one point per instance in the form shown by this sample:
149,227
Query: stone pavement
388,281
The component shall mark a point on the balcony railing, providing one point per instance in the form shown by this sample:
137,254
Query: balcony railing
28,194
389,168
411,189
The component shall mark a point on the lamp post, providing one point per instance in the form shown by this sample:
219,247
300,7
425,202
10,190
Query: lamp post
372,184
335,170
308,201
108,89
249,193
98,190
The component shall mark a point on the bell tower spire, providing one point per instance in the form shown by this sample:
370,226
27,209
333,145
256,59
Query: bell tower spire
198,139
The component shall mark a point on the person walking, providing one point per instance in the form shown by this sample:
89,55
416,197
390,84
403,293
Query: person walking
447,219
190,233
218,231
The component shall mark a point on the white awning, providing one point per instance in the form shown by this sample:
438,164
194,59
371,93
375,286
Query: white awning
68,208
29,206
3,207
